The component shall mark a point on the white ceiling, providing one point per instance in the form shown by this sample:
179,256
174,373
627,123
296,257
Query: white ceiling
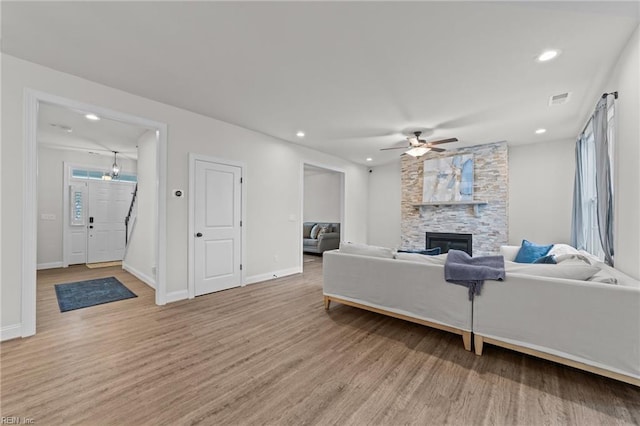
100,137
354,76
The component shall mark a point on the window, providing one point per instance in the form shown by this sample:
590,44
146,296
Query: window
98,175
589,197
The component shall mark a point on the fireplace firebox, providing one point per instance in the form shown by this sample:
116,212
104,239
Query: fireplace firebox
447,241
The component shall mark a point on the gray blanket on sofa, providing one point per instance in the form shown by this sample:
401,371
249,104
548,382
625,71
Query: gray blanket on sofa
462,269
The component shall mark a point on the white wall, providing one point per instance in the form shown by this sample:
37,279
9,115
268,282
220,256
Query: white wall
140,258
322,191
625,79
541,192
384,205
273,176
50,195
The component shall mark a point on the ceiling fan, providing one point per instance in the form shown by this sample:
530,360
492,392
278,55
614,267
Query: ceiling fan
418,147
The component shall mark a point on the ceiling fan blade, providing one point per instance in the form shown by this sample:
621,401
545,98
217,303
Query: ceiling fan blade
437,149
443,141
397,147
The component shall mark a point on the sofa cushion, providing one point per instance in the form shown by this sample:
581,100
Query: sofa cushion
546,259
324,229
569,270
560,249
306,230
529,252
314,231
603,277
367,250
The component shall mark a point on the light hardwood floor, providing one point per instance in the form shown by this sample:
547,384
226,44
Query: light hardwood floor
268,353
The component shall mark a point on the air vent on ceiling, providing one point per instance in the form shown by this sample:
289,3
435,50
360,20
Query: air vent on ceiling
560,99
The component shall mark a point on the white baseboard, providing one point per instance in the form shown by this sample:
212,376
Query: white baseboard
175,296
10,332
272,275
49,265
139,275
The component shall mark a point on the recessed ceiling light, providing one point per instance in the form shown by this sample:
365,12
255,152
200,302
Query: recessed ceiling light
92,117
369,159
300,134
540,131
548,55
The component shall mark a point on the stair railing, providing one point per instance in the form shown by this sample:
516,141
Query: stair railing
128,218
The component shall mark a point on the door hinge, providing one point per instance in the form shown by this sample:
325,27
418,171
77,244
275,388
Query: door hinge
241,266
240,223
241,180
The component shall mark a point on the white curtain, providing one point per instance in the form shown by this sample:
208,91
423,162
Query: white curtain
592,219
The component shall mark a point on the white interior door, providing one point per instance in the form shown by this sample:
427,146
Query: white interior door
108,206
217,227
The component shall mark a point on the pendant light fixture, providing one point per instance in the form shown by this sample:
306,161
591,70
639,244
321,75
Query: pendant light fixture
115,169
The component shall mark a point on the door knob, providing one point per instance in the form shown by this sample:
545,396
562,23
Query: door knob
199,234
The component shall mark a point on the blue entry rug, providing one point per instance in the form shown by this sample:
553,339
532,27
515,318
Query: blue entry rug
90,293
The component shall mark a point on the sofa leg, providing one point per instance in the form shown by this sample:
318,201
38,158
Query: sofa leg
327,302
478,342
466,340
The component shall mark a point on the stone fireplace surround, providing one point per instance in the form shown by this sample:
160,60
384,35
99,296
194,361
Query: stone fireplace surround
491,184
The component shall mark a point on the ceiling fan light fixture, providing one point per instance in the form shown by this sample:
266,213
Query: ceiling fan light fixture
418,151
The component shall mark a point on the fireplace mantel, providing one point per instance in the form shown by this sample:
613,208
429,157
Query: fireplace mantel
475,203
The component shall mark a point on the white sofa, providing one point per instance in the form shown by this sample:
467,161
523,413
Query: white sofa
403,289
588,325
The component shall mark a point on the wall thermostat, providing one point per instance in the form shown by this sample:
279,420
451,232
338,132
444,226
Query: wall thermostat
178,193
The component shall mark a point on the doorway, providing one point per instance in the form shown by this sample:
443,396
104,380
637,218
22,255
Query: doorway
322,200
92,215
216,216
34,102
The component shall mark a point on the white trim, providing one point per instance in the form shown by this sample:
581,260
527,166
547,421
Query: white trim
193,157
176,296
272,275
29,195
10,332
161,212
29,211
50,265
139,275
343,185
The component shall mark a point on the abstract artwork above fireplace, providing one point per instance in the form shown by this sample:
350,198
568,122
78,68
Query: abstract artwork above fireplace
448,179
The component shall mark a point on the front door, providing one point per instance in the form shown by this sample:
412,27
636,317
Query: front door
217,222
108,207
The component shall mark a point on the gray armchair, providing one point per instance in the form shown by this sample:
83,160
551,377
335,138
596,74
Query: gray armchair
328,240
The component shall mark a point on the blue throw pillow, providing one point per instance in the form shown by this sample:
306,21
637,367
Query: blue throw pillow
428,252
529,252
550,258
